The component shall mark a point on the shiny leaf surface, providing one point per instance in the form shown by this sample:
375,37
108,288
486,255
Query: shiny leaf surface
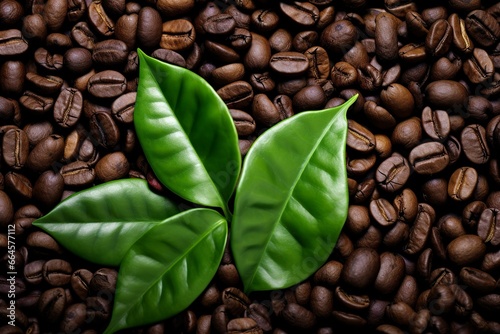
292,199
168,268
101,223
187,133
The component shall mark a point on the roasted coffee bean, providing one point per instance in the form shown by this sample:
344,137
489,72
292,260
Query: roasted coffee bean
237,95
461,39
304,40
391,273
260,314
483,27
446,94
104,129
302,13
77,174
488,227
169,56
420,230
57,272
46,85
358,219
80,280
379,116
12,73
36,103
478,280
83,36
329,274
48,188
383,212
466,249
289,63
103,282
436,124
220,319
298,316
19,185
393,173
12,43
100,20
280,41
258,55
112,166
291,86
126,29
474,144
107,84
51,304
429,158
479,67
319,63
321,300
360,166
351,301
235,300
111,52
309,98
361,268
68,107
344,75
46,153
47,60
386,37
439,38
74,318
99,308
149,27
219,24
177,35
7,209
15,148
339,37
227,74
245,124
401,313
243,325
398,100
450,226
123,108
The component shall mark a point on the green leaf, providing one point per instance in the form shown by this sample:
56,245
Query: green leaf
292,199
168,268
101,223
187,133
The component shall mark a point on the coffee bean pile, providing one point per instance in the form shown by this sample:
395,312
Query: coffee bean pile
420,250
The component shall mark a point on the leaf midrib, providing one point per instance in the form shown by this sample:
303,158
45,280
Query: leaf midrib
302,169
197,241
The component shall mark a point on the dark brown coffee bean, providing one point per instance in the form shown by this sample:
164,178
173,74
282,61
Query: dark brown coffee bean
222,52
99,308
439,38
378,116
15,148
482,27
12,73
219,24
80,281
12,43
227,74
412,53
441,299
321,300
386,37
51,304
76,10
36,103
358,219
74,318
19,185
258,55
446,94
260,314
329,274
10,13
126,29
474,144
383,146
369,78
112,166
149,27
123,108
220,319
54,13
393,173
429,158
466,249
57,272
391,273
243,325
291,86
103,281
235,300
77,174
104,129
46,85
111,52
302,13
454,148
304,40
420,230
48,188
245,124
309,98
33,272
351,301
83,36
7,209
280,41
408,291
169,56
478,280
398,100
298,316
100,20
177,35
461,39
361,268
237,95
462,183
107,84
49,61
68,107
450,226
488,227
383,212
436,124
344,75
401,313
47,152
289,63
339,37
479,67
240,39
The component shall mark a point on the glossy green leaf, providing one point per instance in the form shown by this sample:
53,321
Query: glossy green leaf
292,199
186,132
168,268
101,223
